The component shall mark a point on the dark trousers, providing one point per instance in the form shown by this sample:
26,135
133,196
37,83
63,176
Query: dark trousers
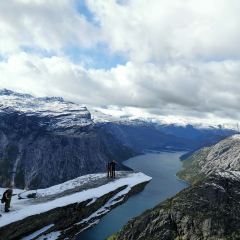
113,172
7,205
109,171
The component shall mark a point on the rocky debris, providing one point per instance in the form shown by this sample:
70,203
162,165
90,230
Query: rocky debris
223,156
210,209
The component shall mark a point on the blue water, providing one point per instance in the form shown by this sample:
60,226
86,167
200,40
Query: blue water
162,167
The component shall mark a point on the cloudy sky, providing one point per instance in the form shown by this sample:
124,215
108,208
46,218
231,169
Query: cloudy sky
167,57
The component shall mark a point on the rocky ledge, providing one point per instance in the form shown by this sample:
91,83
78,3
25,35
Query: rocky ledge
65,212
210,209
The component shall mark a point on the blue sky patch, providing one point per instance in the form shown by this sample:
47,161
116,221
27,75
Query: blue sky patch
98,57
82,8
37,51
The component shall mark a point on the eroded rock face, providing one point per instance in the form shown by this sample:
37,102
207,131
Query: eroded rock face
208,210
223,156
46,141
39,157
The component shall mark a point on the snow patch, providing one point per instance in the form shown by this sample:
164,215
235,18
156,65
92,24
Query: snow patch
131,180
59,188
37,233
235,175
50,236
235,136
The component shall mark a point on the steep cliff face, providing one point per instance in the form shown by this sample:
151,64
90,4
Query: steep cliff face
47,141
208,210
224,155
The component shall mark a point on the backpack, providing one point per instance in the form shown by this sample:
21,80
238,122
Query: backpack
3,200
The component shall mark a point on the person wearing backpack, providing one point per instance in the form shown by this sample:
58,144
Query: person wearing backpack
6,198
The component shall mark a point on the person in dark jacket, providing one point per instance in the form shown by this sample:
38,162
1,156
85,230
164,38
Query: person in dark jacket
113,168
7,196
109,170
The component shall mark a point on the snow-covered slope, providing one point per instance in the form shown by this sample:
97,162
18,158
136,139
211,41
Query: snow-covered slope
223,156
111,193
133,115
62,114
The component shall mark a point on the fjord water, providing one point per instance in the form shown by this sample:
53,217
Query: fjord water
162,167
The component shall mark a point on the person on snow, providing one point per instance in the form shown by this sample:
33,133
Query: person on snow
6,198
109,169
113,169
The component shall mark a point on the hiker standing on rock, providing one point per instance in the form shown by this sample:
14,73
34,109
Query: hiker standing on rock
109,170
113,169
7,196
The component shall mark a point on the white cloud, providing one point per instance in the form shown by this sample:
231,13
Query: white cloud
47,25
183,57
163,30
195,89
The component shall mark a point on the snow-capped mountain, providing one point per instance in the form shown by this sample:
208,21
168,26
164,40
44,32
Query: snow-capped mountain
60,113
45,141
137,116
143,134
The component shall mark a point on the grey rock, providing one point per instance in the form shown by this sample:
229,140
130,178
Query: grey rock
208,210
46,141
222,156
66,219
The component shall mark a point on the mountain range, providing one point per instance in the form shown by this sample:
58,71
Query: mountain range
46,141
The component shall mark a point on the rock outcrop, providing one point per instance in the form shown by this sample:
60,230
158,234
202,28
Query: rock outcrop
208,210
68,212
224,155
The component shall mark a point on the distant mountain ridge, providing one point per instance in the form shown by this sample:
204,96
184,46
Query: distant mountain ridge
143,136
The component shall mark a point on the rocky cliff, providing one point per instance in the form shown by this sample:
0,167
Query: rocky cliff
224,155
45,141
68,208
208,210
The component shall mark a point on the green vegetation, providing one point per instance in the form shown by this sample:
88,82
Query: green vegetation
113,237
191,166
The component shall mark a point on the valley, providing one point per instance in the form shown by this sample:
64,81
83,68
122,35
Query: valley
49,143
